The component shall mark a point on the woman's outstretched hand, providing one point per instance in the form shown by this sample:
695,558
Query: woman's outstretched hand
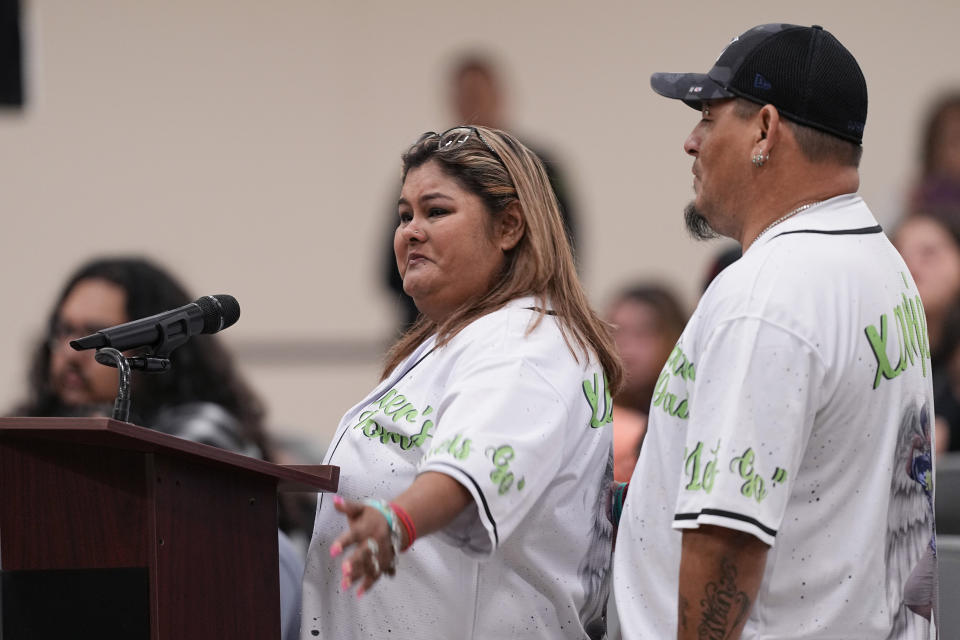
378,530
369,535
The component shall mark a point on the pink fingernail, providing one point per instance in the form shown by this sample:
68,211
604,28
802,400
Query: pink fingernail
345,567
337,500
335,550
360,592
344,584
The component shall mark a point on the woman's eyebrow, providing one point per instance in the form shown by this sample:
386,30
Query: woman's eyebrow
436,195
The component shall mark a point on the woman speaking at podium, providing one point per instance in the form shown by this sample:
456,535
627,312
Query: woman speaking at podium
472,475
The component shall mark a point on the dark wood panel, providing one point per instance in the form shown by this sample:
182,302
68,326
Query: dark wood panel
99,494
50,490
217,560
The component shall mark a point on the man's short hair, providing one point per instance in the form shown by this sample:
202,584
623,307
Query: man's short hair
474,62
815,145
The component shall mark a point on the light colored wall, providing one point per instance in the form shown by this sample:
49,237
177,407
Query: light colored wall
253,147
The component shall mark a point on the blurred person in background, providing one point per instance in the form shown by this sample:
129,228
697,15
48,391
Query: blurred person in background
930,246
477,96
929,239
203,388
647,319
940,153
202,397
486,444
937,188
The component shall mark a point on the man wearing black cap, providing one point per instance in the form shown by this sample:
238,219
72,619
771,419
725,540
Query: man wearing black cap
784,488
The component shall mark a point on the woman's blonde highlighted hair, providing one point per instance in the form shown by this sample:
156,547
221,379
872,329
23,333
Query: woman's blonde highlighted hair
541,264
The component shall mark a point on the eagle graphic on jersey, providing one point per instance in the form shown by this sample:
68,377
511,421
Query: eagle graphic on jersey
595,568
911,543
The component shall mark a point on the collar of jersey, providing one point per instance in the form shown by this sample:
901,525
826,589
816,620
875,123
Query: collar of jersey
835,214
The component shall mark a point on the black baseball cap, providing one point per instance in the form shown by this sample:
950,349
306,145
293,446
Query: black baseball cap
803,71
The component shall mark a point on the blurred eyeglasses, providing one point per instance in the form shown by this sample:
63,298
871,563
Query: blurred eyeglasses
456,136
62,333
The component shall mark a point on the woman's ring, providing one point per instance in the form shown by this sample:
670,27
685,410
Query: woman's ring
374,550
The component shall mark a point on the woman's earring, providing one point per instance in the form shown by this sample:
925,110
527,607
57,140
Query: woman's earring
759,159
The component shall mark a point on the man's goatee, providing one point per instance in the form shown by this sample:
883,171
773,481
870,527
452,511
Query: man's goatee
697,224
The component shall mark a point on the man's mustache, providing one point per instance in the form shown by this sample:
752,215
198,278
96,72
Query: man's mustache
60,377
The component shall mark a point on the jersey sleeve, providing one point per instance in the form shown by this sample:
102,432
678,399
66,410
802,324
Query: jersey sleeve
756,390
501,433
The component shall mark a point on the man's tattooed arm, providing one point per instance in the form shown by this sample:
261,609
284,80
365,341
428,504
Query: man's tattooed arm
724,605
720,574
684,607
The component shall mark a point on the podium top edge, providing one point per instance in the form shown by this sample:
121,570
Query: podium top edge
111,433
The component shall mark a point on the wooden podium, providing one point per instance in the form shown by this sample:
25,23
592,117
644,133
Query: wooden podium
111,530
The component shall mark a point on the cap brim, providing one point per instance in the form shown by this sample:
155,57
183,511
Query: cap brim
692,88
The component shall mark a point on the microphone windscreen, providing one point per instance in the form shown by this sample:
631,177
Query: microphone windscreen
219,312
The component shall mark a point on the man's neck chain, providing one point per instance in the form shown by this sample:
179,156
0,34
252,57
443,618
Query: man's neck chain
799,209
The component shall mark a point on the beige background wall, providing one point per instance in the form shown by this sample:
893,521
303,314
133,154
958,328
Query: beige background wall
253,148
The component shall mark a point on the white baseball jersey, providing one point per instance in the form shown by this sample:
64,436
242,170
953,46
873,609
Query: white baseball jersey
797,406
525,428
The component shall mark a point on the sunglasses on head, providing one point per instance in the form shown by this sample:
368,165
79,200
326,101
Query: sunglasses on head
456,136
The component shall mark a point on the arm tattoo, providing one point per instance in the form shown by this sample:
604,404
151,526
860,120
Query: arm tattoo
684,605
723,600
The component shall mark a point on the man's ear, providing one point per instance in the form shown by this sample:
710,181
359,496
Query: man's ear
767,130
510,227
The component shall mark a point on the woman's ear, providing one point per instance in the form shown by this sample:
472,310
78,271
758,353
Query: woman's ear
510,227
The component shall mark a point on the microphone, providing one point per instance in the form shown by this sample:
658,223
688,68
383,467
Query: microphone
168,330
